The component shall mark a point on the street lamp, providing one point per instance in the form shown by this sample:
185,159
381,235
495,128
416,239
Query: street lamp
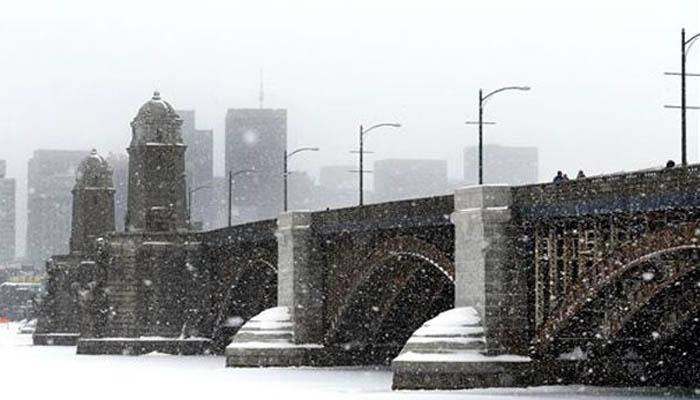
286,172
189,199
361,171
685,48
231,174
482,103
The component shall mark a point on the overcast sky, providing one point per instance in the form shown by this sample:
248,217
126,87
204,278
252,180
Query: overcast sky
74,73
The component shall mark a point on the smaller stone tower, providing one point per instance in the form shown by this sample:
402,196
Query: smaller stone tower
156,199
93,204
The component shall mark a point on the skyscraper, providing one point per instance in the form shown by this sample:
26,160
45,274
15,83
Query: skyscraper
397,179
502,164
338,187
7,215
50,179
302,190
199,167
256,139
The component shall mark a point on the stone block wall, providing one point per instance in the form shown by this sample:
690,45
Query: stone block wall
60,306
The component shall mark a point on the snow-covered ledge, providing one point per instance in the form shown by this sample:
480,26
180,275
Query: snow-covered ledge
449,352
267,340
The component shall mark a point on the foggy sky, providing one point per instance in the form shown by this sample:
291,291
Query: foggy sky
74,73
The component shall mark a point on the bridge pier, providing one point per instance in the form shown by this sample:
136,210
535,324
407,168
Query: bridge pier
486,276
290,334
482,342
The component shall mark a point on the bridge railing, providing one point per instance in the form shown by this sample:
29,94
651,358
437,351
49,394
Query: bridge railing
428,211
256,231
646,189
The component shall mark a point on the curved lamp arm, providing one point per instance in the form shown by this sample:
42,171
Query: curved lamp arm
690,42
243,171
299,150
201,187
393,125
524,88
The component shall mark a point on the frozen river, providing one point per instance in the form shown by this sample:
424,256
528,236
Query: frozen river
29,372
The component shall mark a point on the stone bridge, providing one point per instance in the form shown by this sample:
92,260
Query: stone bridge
183,293
587,281
359,281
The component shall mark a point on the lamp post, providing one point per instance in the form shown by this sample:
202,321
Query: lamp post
361,170
189,199
481,123
232,174
685,48
286,171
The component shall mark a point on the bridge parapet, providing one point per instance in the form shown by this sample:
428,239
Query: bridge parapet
252,232
423,212
639,191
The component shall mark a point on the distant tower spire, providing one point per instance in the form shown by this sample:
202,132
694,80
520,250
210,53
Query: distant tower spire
261,95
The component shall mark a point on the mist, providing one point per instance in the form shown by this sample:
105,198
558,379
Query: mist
75,72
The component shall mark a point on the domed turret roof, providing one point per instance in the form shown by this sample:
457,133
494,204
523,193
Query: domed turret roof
94,171
156,107
156,123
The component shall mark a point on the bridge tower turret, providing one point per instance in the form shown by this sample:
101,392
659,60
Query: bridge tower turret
93,203
156,199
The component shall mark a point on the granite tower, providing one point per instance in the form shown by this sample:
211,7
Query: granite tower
156,198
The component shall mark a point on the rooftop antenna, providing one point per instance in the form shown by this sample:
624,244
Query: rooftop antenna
261,95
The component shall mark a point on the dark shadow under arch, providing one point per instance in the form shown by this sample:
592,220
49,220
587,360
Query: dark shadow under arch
638,310
628,261
401,291
251,290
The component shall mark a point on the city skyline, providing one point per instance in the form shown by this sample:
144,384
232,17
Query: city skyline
581,63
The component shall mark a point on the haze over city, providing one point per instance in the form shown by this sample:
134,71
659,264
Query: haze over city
386,199
75,73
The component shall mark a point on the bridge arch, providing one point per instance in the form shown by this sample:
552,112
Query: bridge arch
407,281
249,290
632,298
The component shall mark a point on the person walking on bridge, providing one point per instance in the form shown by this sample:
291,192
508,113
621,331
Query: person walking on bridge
560,177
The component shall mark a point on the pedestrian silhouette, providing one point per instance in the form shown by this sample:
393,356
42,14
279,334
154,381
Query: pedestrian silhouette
559,177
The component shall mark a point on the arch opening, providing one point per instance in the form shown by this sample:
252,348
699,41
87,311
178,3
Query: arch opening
647,313
251,291
393,300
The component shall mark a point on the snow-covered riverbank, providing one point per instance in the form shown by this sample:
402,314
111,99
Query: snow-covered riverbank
31,372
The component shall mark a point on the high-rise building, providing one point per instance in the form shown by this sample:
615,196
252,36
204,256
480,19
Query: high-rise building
120,166
397,179
338,186
219,195
199,167
256,139
502,164
7,215
302,191
50,179
156,200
